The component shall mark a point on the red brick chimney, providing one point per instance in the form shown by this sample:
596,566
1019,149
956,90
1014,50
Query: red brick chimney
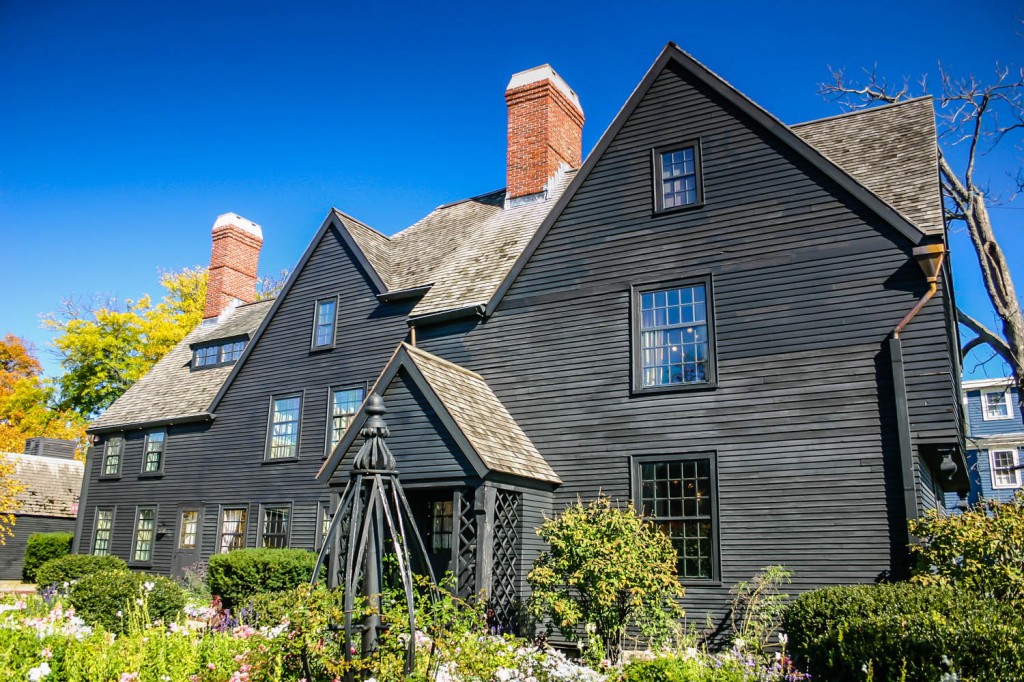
236,253
545,129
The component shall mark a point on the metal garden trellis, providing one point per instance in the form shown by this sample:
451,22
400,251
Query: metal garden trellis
372,511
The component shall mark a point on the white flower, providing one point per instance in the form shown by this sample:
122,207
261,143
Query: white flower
738,643
38,673
783,638
691,652
120,614
138,601
148,586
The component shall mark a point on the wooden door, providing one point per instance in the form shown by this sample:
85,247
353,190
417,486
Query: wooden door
187,538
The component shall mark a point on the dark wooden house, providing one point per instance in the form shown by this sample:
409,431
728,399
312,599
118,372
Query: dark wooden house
709,316
51,480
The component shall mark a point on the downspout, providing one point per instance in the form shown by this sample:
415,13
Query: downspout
929,258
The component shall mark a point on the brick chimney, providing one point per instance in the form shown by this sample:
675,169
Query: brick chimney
545,129
236,253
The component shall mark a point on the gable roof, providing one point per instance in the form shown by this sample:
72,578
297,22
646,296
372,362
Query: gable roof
673,54
892,151
171,392
488,435
52,484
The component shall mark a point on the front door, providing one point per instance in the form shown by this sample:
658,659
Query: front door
188,534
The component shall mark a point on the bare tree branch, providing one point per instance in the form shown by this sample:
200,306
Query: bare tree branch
985,336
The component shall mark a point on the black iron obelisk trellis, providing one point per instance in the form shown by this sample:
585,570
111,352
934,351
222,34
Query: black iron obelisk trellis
373,512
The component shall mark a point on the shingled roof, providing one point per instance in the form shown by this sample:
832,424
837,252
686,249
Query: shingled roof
892,151
52,484
171,391
472,410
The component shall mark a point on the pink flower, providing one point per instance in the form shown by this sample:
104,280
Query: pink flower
211,666
129,677
46,653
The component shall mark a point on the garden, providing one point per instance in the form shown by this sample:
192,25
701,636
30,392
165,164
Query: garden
605,593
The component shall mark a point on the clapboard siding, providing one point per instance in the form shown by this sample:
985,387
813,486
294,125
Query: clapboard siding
12,554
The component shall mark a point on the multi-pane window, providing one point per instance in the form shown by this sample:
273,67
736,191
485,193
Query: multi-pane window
145,528
325,517
674,336
189,529
206,356
323,330
441,525
232,529
218,354
678,177
231,351
284,427
677,495
996,404
344,405
153,453
275,527
1005,473
112,456
103,531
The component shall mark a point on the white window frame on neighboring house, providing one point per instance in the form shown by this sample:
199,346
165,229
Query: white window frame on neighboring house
1014,462
1006,402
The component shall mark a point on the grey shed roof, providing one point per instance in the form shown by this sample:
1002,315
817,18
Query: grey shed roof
892,151
171,390
52,484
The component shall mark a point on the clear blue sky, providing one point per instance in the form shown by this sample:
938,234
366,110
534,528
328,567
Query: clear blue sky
127,127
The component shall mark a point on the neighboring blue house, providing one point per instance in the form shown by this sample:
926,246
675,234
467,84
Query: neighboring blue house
995,440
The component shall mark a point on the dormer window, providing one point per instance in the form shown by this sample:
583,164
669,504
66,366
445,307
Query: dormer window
217,354
325,315
677,177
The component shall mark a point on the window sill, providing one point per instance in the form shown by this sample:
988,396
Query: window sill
699,582
151,474
279,460
674,388
140,564
110,477
321,349
677,209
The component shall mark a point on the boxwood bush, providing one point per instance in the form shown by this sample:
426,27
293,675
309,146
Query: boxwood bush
238,575
42,547
74,566
903,631
108,598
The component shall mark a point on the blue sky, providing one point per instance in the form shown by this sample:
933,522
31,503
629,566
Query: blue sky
127,127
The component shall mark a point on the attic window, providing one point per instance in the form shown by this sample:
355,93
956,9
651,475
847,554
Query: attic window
218,354
677,177
324,322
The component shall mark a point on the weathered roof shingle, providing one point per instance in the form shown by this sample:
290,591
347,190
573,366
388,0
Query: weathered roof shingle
52,484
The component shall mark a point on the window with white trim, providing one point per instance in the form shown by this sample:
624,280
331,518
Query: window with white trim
145,529
283,438
102,532
996,404
232,529
1005,473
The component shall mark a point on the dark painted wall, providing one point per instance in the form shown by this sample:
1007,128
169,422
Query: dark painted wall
12,552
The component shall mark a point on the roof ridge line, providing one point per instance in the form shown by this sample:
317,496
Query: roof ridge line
863,110
447,363
346,216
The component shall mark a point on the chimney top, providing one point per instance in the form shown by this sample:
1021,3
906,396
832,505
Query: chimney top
541,73
238,221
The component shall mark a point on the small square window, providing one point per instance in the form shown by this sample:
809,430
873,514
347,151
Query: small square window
232,529
153,453
188,529
678,494
677,177
324,322
274,533
283,436
996,404
1005,471
112,455
103,531
345,403
145,529
673,336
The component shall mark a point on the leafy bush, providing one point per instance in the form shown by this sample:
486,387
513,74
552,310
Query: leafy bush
981,550
42,547
238,575
74,566
607,568
105,598
904,631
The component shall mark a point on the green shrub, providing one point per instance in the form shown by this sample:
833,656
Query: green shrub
42,547
238,575
74,566
108,598
608,568
903,631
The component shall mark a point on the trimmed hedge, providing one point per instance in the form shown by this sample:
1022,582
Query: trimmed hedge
42,547
71,567
238,575
109,598
903,631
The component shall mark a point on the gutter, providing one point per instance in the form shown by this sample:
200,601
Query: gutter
929,257
171,421
447,315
